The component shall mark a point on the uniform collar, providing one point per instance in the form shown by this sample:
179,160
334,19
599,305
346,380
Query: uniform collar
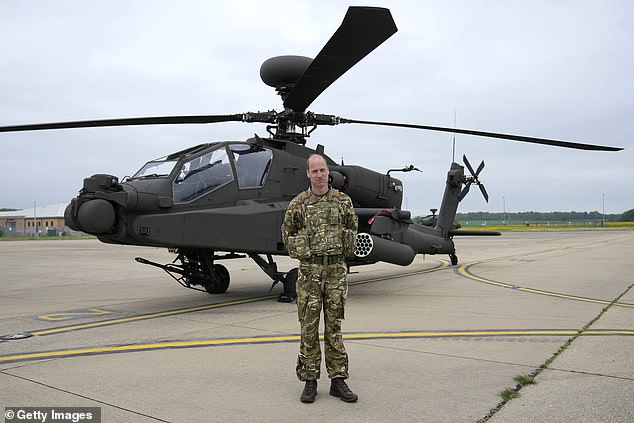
313,198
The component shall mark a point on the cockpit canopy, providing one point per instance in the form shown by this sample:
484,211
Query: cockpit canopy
203,173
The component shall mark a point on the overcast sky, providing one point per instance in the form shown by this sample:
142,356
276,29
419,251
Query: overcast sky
551,69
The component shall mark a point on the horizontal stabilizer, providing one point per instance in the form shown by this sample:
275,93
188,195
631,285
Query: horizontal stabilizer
474,233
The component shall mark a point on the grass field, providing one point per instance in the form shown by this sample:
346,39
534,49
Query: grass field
550,226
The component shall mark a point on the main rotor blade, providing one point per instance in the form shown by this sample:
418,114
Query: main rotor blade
545,141
363,29
156,120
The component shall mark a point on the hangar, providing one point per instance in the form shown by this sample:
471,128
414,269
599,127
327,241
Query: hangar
35,221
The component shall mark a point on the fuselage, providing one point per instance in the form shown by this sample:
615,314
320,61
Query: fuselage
224,196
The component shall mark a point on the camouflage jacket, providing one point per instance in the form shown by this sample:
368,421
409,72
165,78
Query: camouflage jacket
318,226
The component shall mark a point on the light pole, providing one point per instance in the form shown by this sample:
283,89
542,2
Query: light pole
35,218
603,211
504,210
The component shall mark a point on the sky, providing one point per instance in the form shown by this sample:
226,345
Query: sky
561,70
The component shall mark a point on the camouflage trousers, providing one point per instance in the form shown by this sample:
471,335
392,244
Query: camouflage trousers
321,287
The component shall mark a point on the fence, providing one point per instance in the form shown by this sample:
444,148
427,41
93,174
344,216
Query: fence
551,224
50,233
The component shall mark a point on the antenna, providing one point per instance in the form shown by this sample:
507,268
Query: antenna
453,153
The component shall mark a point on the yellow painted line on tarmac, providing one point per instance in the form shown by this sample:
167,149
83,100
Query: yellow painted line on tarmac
442,265
149,316
73,314
464,270
449,334
145,347
118,349
484,333
624,332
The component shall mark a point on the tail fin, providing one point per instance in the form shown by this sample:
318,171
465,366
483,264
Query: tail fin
450,199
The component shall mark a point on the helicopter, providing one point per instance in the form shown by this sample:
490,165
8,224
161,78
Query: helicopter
227,199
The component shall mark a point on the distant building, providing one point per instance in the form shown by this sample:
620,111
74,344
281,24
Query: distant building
36,221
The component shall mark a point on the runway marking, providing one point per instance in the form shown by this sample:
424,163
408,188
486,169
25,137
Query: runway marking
464,270
442,264
148,316
157,346
72,315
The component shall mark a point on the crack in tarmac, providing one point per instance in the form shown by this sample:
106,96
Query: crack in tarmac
83,396
564,347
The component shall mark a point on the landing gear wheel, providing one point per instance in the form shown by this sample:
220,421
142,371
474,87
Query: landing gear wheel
454,259
220,280
290,287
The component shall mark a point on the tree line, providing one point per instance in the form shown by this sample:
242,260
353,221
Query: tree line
532,216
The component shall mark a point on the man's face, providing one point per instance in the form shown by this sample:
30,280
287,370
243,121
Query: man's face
317,172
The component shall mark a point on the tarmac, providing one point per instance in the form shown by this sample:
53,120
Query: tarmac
428,342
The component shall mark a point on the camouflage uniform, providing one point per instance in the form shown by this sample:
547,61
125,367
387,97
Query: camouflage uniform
320,232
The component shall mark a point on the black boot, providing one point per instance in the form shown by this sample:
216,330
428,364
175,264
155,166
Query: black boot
310,391
339,388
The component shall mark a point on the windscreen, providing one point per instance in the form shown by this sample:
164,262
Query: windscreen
156,168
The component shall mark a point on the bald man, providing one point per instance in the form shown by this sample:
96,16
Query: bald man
319,229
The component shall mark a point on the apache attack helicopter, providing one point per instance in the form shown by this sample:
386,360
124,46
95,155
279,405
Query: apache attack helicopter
224,200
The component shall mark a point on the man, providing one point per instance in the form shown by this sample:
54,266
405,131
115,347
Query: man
319,229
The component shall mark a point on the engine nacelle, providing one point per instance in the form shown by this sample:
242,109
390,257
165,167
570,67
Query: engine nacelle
367,188
374,248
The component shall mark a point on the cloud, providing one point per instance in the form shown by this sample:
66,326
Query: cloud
554,70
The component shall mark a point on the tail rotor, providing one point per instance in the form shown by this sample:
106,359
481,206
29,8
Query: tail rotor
473,179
